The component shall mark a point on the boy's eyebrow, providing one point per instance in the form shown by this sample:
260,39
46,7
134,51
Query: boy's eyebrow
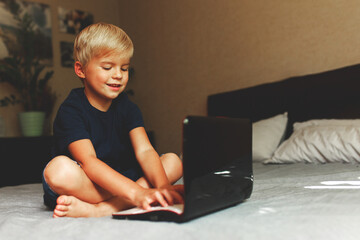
110,62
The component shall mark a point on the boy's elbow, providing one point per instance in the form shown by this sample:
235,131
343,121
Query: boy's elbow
86,162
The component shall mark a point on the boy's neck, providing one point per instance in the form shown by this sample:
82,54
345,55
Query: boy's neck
97,102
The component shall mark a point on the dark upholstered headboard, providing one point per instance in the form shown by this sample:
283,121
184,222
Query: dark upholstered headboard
331,94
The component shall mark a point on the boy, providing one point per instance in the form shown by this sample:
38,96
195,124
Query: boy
101,148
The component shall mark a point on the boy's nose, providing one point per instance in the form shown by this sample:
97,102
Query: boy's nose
118,74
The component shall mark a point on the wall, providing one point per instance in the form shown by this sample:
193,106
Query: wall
64,79
186,50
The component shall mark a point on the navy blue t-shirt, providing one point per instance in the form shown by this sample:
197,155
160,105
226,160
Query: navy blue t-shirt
108,131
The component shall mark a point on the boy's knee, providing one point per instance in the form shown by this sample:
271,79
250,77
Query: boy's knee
60,170
172,161
172,157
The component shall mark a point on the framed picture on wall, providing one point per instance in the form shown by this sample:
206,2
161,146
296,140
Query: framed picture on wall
67,49
36,17
73,21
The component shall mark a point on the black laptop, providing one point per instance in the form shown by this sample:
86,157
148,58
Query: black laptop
217,161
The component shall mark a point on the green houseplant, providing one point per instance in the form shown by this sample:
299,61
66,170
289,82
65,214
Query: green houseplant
24,70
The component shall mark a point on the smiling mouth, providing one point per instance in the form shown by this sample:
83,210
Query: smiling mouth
114,85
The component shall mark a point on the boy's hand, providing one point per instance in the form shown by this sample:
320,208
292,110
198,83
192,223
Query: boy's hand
174,193
167,195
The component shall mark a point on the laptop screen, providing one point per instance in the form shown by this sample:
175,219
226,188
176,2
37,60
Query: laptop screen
217,163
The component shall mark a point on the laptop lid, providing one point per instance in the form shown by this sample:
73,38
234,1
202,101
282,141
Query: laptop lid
217,161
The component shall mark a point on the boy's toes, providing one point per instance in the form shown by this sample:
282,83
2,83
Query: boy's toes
62,207
63,200
59,213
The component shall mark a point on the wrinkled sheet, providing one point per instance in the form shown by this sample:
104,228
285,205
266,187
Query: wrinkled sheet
279,208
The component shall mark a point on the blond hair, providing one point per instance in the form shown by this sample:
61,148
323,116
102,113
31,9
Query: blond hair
101,39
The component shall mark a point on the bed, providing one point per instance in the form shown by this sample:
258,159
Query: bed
299,200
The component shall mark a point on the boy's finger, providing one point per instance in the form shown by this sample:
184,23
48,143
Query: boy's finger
168,196
159,197
177,197
146,205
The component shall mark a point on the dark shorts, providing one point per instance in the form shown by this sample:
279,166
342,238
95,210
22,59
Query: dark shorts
50,195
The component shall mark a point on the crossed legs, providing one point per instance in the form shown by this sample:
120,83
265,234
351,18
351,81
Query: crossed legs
80,197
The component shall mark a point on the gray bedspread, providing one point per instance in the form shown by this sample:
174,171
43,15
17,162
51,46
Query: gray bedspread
288,202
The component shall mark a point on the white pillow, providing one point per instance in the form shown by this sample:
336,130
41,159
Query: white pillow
321,141
267,135
327,122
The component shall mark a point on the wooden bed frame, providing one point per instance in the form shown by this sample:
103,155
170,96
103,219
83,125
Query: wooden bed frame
331,94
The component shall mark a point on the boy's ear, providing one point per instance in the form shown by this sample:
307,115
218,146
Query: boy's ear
79,69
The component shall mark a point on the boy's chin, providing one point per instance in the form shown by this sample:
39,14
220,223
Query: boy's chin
113,96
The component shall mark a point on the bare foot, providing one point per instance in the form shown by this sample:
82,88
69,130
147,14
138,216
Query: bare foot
69,206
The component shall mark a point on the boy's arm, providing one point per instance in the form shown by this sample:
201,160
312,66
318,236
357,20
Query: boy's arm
109,179
148,158
151,164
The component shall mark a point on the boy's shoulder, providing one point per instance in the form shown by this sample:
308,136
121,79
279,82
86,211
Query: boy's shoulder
76,93
74,101
76,97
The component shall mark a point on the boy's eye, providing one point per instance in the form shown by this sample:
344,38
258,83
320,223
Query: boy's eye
124,69
106,68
